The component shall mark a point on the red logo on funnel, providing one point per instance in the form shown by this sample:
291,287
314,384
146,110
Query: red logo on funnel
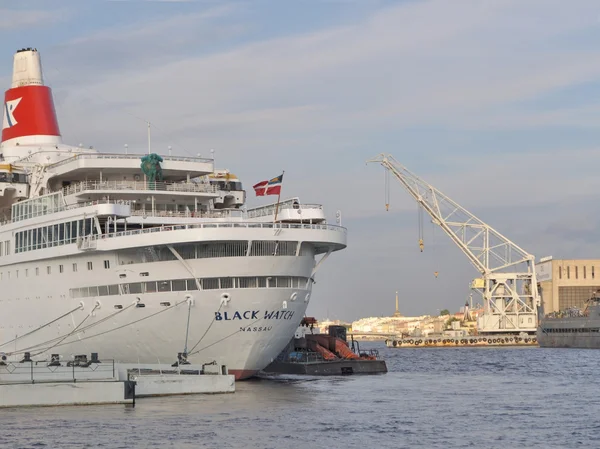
29,111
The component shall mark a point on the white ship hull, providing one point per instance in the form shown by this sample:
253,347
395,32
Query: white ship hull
243,326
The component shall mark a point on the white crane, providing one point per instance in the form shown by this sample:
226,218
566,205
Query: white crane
508,282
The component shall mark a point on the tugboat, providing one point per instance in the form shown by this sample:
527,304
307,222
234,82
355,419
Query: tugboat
572,328
329,354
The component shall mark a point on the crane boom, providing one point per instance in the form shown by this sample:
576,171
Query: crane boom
508,284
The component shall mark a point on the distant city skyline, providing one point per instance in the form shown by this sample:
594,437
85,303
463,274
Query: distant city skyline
494,103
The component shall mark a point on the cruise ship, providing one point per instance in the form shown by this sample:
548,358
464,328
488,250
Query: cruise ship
142,258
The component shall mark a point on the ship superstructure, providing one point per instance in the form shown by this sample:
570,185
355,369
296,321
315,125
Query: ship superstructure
142,258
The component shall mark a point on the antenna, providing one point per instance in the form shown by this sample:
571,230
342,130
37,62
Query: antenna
148,137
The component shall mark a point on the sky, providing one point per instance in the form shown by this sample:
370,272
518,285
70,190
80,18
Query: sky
495,103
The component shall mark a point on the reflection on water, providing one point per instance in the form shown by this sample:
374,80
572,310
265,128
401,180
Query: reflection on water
431,398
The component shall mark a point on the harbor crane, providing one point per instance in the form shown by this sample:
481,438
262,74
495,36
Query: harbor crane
508,284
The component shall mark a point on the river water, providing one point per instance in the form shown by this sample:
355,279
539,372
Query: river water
431,398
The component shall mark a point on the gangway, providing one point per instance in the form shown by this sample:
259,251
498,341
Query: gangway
508,284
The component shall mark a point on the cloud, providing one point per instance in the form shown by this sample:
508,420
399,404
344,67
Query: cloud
398,67
14,19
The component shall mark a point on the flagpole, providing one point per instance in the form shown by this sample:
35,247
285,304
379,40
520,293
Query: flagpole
279,196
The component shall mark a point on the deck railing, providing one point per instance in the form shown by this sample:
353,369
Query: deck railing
85,186
270,209
220,225
128,156
187,214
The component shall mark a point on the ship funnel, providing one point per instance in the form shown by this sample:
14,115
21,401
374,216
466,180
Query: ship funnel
29,117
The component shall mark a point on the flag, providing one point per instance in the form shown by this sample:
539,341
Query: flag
270,187
260,188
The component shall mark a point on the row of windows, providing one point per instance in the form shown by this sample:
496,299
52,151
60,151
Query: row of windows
575,272
571,331
213,250
13,177
61,269
575,297
36,207
53,235
182,285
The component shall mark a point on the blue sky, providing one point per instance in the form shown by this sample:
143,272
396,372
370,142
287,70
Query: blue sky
495,103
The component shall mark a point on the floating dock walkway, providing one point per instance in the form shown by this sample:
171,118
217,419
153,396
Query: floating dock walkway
94,382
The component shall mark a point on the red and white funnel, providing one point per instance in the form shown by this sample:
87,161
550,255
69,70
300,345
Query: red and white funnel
29,115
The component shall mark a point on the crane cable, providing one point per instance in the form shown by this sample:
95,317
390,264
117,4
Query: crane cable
420,215
435,273
387,189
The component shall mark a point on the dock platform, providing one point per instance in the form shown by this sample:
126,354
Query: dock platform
83,382
478,341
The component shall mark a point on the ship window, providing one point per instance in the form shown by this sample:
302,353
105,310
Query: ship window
584,272
26,272
144,273
164,286
74,267
179,285
246,282
560,270
210,283
227,283
103,290
576,272
135,287
113,289
60,268
89,265
592,272
37,271
16,273
262,282
107,264
192,285
49,269
568,272
150,287
93,291
284,282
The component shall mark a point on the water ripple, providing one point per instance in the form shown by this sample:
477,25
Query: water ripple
431,398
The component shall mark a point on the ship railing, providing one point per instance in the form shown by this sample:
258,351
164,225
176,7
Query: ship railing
129,156
39,212
187,214
85,186
56,371
270,209
220,225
